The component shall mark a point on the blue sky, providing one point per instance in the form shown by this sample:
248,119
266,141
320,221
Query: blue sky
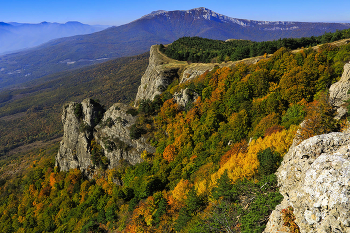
117,12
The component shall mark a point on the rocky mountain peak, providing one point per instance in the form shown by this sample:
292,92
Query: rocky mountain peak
198,13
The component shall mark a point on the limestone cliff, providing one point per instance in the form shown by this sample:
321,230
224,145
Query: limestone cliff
111,130
158,75
78,121
162,70
113,133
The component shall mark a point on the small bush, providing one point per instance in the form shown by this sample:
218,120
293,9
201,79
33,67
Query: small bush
132,112
289,220
136,132
84,127
99,116
146,107
269,161
97,156
109,123
78,111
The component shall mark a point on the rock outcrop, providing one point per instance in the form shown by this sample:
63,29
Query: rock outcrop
78,121
338,92
195,70
110,129
185,97
161,71
158,75
315,180
113,134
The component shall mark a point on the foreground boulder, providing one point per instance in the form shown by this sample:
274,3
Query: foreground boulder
315,180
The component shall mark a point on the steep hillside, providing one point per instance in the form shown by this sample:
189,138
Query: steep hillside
32,114
201,155
136,37
218,139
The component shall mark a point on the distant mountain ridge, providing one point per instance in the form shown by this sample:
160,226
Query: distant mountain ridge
208,14
139,35
16,36
211,15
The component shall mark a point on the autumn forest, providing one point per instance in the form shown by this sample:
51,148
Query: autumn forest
213,169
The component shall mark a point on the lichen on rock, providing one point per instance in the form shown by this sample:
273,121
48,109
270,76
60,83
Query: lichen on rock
314,178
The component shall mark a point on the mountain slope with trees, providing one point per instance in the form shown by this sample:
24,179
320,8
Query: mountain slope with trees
196,49
204,175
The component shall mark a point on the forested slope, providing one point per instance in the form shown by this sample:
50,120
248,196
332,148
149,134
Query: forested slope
214,162
196,49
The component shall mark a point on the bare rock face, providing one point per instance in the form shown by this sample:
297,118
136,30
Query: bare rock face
113,134
185,97
315,180
78,121
338,92
195,70
111,129
156,78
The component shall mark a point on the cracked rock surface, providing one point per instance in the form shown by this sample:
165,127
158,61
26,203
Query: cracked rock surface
314,179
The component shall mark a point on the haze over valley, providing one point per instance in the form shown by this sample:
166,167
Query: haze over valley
19,36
